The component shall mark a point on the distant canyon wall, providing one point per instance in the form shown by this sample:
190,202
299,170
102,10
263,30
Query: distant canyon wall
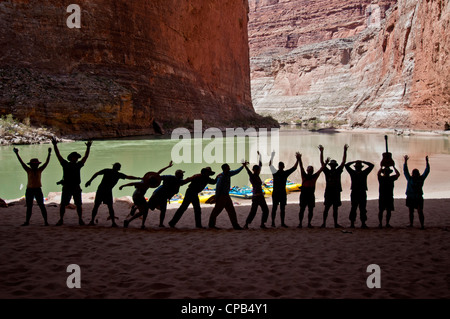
130,63
365,63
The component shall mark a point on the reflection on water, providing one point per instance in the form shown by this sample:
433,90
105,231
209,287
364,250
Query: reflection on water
139,156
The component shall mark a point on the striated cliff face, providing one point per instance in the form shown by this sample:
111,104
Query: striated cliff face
130,63
389,67
283,25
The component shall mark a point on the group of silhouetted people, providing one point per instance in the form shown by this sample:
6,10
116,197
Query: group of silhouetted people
169,186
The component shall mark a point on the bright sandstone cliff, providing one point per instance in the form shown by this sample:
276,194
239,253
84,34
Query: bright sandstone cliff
130,63
368,63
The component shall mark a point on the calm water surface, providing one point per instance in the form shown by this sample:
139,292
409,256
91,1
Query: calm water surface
139,156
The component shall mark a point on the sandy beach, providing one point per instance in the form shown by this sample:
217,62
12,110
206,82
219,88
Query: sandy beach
190,263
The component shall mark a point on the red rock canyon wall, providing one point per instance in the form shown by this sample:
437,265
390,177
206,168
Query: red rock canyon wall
130,63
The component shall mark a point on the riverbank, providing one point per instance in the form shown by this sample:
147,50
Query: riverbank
190,263
16,133
348,129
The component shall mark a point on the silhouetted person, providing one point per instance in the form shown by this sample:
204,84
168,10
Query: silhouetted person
198,184
104,191
170,186
223,199
307,196
139,200
333,187
386,193
258,195
71,180
34,185
414,191
358,195
279,195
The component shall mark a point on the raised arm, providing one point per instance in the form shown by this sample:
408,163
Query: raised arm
168,166
405,168
321,155
322,163
323,166
299,159
237,171
344,157
58,154
86,154
427,169
293,168
44,166
249,172
25,167
259,159
272,168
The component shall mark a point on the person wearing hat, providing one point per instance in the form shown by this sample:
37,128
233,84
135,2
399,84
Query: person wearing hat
386,193
170,186
333,186
279,194
34,185
198,184
71,180
307,196
223,199
104,190
150,180
358,196
414,191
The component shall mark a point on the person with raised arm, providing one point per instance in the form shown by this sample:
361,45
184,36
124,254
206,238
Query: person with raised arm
71,180
279,194
386,193
358,196
104,191
414,191
258,195
223,199
34,185
307,196
333,188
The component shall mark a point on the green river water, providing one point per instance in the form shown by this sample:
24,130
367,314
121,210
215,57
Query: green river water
140,155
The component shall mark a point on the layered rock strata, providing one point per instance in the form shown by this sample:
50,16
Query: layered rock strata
390,70
131,64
